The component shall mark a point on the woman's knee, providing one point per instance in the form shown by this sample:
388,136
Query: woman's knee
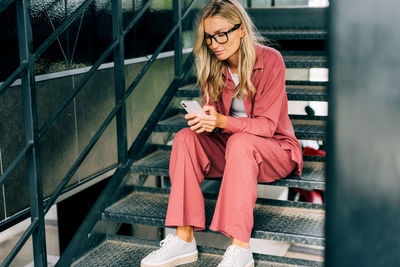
239,143
242,145
183,135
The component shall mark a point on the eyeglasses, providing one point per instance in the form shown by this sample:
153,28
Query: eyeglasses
219,37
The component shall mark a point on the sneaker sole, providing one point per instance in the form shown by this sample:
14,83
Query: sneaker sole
188,258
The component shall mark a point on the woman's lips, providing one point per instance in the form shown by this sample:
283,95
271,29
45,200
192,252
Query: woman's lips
218,52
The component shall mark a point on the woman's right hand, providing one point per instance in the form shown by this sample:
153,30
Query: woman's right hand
193,122
204,123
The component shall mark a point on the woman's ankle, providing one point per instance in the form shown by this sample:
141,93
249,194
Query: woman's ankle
240,243
185,233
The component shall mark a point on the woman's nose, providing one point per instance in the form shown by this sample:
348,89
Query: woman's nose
214,44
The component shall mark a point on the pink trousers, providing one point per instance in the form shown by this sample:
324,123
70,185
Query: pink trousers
241,160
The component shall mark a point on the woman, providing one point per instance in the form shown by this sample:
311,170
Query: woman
243,88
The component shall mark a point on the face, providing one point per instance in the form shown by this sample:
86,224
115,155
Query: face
229,50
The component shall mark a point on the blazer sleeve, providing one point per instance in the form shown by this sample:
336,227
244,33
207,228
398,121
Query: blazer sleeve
267,106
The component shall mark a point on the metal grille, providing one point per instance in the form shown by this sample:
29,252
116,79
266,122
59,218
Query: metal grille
124,251
279,220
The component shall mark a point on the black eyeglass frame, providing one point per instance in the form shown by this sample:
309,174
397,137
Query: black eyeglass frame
226,34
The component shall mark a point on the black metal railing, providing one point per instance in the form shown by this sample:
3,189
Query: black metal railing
38,206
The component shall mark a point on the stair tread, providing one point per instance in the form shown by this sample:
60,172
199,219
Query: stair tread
304,92
157,163
295,222
304,129
128,251
295,34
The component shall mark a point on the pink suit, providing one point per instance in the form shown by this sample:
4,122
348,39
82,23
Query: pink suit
259,148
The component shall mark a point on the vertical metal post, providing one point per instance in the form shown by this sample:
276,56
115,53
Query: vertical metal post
119,79
249,3
177,6
272,2
31,131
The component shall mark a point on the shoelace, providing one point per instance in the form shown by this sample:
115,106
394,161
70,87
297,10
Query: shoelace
164,244
230,256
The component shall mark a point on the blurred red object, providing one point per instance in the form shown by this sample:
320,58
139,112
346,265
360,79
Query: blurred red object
309,151
313,196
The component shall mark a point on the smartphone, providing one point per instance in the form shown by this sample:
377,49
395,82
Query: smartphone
192,106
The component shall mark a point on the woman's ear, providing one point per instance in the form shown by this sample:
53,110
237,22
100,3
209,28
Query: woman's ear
242,31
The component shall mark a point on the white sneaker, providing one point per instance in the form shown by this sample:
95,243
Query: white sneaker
236,256
174,251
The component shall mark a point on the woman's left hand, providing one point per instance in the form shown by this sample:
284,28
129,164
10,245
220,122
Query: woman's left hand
201,123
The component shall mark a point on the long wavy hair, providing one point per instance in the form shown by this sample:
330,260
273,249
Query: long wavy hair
209,67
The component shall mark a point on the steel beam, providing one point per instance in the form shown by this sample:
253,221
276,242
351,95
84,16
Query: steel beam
119,81
31,131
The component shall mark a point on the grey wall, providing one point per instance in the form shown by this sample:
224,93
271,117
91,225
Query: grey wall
363,206
71,132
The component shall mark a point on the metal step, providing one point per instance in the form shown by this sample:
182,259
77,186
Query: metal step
304,129
122,251
305,158
301,18
295,34
157,163
305,91
295,222
305,59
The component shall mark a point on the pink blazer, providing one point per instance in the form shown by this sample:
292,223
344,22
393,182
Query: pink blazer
267,114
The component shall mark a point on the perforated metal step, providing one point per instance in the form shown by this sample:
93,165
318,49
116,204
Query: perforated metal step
295,34
296,222
304,129
305,59
119,251
157,163
303,91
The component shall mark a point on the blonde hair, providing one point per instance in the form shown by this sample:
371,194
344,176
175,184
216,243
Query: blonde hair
209,67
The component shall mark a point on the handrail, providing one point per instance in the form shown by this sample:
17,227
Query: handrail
21,242
77,89
13,77
156,53
33,134
134,153
15,163
93,141
24,64
81,158
5,4
83,81
157,113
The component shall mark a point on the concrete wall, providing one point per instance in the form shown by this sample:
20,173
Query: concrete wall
77,124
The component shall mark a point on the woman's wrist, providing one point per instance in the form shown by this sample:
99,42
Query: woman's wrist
221,121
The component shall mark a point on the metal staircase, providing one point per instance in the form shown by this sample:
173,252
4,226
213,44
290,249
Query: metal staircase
289,221
301,35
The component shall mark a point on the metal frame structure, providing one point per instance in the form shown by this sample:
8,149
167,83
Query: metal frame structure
38,206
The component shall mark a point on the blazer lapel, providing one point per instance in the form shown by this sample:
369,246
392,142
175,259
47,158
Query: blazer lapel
248,104
227,94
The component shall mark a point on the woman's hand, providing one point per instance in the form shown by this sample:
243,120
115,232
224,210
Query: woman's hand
201,123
